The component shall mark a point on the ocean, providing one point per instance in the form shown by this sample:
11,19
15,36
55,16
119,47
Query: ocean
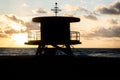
94,52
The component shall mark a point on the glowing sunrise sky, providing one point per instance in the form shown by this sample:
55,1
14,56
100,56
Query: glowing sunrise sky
99,26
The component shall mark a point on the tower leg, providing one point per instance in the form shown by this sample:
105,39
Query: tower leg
40,49
67,50
37,52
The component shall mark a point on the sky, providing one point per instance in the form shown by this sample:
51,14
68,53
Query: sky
99,24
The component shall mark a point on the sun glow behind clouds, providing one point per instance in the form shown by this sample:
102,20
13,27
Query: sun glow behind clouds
18,27
20,38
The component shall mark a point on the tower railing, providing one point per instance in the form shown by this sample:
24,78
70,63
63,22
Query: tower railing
35,35
74,35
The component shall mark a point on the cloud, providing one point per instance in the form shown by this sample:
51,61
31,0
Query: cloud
14,18
14,22
69,15
103,32
75,9
29,24
91,17
113,21
112,9
32,26
11,24
1,30
69,7
38,11
2,35
20,23
11,31
85,13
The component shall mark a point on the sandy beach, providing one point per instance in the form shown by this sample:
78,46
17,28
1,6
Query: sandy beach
82,65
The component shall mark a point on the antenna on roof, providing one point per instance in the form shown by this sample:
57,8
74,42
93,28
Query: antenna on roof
56,9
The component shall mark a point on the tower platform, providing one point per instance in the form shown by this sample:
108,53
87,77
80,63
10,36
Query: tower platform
36,42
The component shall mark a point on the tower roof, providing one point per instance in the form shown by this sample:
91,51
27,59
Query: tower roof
54,18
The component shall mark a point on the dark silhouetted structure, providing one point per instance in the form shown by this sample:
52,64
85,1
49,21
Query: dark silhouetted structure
55,31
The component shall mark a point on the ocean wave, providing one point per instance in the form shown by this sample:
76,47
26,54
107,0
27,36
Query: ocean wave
95,52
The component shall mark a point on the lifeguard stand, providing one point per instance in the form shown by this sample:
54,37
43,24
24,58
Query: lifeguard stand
55,31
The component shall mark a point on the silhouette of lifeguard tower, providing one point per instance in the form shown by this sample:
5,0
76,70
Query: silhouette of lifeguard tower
55,31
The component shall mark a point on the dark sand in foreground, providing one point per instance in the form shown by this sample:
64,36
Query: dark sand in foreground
82,65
